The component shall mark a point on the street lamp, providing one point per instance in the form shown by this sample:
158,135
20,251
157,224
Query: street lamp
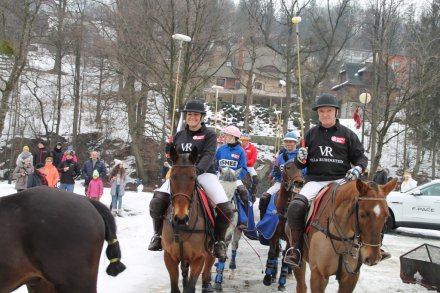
364,98
181,38
216,88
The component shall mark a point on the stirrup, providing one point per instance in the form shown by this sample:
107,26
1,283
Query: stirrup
293,257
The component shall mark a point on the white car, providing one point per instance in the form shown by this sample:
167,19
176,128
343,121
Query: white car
416,208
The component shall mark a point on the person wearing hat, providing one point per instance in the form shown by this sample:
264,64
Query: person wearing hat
195,135
21,173
290,142
92,164
95,189
118,180
69,171
251,156
38,177
24,155
41,154
381,175
331,152
232,155
57,154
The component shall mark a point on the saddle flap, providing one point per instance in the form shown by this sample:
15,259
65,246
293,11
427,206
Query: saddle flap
205,204
314,207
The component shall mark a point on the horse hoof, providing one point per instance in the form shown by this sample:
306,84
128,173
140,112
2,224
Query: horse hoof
218,287
207,288
281,288
232,266
267,280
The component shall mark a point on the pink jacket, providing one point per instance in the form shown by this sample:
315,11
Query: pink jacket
95,189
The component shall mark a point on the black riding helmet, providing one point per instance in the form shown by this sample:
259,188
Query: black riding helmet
194,106
326,100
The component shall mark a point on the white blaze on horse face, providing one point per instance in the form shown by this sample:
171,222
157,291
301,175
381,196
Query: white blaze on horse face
377,210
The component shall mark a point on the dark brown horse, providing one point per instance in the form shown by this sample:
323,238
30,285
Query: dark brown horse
185,237
292,182
345,234
52,241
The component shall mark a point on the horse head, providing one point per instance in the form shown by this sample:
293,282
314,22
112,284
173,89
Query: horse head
227,178
183,178
371,213
292,177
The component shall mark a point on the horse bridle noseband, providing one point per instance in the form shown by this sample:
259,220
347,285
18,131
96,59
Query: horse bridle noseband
290,183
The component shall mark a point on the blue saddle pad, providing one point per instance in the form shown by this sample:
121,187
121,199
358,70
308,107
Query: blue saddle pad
248,217
266,227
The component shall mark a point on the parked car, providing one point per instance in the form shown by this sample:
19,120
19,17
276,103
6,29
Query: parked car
416,208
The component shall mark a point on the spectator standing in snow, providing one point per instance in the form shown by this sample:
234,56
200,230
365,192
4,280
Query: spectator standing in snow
25,154
381,175
57,154
408,182
92,164
69,170
38,177
51,172
95,189
21,173
41,154
118,181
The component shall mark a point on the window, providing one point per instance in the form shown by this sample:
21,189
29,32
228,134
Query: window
258,86
433,190
237,85
221,82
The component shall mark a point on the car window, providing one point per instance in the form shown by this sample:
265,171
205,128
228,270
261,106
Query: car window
433,190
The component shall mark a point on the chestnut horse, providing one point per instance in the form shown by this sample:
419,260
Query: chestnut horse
186,237
52,241
292,182
345,234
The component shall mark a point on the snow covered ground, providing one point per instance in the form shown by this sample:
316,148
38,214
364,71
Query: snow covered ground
146,271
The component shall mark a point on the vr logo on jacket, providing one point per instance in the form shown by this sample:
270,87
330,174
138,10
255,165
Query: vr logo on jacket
326,151
228,163
186,147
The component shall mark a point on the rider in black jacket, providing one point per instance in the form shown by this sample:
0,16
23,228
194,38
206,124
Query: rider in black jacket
195,134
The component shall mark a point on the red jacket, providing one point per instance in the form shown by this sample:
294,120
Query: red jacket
251,155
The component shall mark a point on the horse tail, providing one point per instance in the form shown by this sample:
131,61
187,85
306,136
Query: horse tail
113,250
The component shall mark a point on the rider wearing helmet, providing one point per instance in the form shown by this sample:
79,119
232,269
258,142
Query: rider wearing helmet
232,155
329,153
195,134
290,143
251,155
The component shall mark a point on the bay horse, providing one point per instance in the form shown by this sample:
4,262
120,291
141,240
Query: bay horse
292,182
186,237
344,234
228,178
52,241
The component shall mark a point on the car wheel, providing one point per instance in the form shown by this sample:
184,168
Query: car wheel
390,224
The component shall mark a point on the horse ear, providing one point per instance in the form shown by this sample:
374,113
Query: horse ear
389,186
193,155
173,153
361,186
285,157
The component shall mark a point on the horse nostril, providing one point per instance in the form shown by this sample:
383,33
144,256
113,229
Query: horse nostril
186,220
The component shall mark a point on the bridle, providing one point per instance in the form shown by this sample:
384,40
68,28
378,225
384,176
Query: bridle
292,183
189,198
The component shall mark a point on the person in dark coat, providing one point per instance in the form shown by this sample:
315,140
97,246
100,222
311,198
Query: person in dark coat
69,170
57,154
381,175
41,154
38,177
91,165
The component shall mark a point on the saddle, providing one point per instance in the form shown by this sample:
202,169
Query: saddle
313,210
207,209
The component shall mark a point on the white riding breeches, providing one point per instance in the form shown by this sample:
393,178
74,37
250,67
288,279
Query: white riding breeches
311,188
209,182
251,171
274,188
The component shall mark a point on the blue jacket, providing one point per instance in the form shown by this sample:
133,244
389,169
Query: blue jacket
279,164
232,156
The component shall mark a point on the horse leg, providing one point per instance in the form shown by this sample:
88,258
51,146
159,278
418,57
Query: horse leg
184,267
235,239
220,267
318,282
173,270
284,272
347,282
196,268
272,263
206,274
300,276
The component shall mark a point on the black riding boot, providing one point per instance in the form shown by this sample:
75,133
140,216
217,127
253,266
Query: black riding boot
158,207
242,191
156,241
264,202
296,218
224,216
255,180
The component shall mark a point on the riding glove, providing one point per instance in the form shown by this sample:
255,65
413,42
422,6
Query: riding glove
354,173
302,154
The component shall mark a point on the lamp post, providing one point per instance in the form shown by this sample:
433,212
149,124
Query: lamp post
216,87
364,98
181,38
